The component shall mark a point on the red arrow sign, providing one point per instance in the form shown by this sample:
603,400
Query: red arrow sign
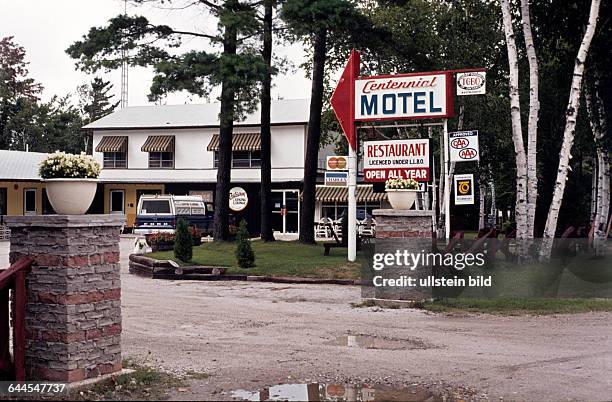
343,99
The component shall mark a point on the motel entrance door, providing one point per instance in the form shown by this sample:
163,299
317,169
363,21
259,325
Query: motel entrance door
285,211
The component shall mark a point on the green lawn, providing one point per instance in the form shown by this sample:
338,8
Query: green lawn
278,258
520,306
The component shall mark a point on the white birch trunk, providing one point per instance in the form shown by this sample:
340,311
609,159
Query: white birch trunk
522,231
493,204
569,133
532,125
482,207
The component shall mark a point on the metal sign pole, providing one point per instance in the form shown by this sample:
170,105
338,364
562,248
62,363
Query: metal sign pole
447,184
352,205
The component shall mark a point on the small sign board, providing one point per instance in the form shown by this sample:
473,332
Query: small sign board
336,163
464,189
336,179
473,83
238,199
397,159
463,146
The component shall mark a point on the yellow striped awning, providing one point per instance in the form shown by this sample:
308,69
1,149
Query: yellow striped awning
112,144
365,193
240,142
158,143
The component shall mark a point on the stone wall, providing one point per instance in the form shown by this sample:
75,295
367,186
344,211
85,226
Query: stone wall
73,311
396,223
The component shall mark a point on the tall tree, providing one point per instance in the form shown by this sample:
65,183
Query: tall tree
236,68
267,233
95,102
571,114
18,92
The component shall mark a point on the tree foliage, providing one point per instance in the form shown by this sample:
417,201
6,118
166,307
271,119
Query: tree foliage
183,242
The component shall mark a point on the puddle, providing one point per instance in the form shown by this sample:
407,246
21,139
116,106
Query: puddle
376,342
339,392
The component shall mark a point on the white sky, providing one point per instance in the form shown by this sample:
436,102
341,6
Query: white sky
45,28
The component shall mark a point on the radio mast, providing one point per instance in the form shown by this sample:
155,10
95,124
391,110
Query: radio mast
124,68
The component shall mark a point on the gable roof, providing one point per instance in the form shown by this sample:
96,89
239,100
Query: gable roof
19,165
292,111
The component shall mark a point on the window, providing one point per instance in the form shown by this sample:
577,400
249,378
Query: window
3,201
155,207
29,201
242,159
117,201
161,160
115,160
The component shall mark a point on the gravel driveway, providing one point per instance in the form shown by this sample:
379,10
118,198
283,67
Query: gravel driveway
248,335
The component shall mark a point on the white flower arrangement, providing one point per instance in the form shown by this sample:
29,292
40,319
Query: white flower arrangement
60,165
401,184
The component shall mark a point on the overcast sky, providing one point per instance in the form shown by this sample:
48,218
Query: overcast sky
46,28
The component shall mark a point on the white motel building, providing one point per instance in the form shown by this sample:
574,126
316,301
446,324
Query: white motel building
172,149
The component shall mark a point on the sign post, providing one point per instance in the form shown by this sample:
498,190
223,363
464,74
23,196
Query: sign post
447,183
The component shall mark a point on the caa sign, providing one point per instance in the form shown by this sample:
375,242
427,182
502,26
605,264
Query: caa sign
407,96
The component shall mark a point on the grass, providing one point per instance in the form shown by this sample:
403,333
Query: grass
278,258
517,306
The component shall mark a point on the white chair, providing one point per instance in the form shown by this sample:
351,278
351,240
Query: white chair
322,228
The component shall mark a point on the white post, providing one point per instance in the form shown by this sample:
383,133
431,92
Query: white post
352,205
447,183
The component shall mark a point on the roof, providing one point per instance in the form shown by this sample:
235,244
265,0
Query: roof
19,165
292,111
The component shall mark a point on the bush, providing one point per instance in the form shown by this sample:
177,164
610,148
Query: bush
183,242
244,252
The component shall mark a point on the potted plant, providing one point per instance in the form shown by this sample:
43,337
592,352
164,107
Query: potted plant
71,181
401,192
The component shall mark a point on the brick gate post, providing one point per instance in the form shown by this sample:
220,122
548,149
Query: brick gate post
73,311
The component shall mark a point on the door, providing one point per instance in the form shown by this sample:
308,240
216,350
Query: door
286,211
29,201
117,202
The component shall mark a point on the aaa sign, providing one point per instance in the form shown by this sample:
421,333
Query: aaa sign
398,159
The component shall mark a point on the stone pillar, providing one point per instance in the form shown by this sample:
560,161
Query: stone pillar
73,311
410,230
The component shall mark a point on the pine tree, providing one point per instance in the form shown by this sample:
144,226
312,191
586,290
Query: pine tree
245,256
183,243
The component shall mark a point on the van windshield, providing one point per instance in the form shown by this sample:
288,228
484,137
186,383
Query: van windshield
155,207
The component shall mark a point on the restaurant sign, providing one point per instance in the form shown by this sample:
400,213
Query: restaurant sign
397,159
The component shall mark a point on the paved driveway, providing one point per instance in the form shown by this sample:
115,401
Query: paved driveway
248,335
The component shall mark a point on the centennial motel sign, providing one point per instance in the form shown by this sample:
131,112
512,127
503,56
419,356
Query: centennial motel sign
392,97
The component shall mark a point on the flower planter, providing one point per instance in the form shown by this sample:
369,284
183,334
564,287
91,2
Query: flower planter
401,198
71,196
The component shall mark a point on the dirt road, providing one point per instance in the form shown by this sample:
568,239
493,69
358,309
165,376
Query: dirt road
249,335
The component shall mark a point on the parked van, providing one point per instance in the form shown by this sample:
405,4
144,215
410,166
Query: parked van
159,213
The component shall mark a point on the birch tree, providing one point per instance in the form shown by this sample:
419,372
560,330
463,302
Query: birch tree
517,133
571,114
601,173
532,125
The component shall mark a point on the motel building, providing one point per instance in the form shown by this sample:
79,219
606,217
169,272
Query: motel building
172,149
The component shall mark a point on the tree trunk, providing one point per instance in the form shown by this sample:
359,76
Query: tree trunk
493,219
532,125
266,163
601,175
481,206
307,212
569,132
226,128
522,231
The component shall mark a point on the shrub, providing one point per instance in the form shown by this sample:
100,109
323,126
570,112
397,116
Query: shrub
60,165
183,242
244,252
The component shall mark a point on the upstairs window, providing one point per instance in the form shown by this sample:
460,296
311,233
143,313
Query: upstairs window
243,159
115,160
161,160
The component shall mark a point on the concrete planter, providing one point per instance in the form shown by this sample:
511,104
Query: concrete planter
71,196
401,199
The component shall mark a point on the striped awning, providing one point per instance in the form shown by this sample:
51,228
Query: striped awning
112,144
240,142
365,193
158,143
